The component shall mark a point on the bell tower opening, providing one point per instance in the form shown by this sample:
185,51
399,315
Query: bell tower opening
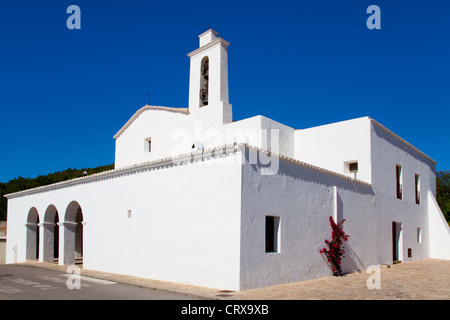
204,81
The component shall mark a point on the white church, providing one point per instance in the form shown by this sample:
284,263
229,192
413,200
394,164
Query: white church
198,198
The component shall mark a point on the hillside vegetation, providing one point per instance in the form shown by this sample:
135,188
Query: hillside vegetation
20,183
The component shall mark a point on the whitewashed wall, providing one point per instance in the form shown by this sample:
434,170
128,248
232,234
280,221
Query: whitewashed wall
439,238
159,125
184,225
303,199
261,132
203,223
330,146
174,133
388,150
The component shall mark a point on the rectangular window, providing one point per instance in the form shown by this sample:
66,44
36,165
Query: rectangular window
419,235
353,166
148,145
399,182
272,234
417,181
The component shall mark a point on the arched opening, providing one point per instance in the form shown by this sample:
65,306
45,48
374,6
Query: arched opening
204,81
51,235
32,249
73,234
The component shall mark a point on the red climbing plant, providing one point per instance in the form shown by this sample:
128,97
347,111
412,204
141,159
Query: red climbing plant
335,252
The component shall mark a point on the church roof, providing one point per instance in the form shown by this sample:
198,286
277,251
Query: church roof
145,108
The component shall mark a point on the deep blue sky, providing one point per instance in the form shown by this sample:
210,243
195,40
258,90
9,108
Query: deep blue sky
65,93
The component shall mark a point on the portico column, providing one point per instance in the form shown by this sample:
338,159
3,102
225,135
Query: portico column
32,229
47,242
67,243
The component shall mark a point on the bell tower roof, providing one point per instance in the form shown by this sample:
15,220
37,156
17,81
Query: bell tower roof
207,37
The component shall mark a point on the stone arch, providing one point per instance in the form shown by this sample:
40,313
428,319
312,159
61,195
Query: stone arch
32,225
73,234
50,234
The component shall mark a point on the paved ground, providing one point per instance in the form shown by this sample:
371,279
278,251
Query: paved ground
22,282
422,280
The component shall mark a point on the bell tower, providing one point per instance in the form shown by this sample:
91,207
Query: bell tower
208,82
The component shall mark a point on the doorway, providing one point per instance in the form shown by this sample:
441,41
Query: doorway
397,243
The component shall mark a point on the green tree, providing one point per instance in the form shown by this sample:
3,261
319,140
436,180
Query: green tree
443,192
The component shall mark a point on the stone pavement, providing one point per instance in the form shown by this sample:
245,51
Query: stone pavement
418,280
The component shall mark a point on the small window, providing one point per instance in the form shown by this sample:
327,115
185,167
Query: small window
272,234
419,235
148,145
409,253
353,166
417,182
398,172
